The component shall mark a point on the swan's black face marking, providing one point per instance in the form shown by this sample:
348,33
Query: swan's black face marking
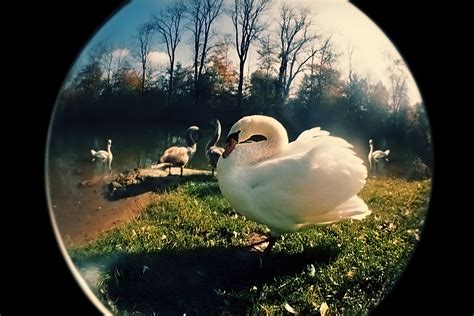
234,136
254,139
231,141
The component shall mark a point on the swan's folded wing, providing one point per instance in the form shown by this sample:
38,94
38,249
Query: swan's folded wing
378,154
175,155
101,154
312,133
307,183
353,208
310,138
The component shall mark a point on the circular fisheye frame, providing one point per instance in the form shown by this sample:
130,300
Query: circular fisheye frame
238,157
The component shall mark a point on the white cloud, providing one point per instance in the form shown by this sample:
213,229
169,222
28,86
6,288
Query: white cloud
158,58
120,52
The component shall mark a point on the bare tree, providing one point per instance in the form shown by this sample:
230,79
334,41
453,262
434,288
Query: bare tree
109,59
169,27
324,68
350,53
142,50
296,45
352,84
247,20
97,52
112,61
222,64
321,77
398,86
201,15
267,56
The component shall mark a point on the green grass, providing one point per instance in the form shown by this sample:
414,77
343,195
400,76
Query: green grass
186,253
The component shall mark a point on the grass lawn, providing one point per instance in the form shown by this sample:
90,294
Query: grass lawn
188,253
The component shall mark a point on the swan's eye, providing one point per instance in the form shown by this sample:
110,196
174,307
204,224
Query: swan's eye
255,138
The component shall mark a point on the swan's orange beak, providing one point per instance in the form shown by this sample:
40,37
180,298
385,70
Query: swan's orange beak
229,147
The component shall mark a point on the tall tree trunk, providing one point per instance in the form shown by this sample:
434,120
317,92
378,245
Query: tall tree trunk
170,84
143,78
281,83
196,78
240,86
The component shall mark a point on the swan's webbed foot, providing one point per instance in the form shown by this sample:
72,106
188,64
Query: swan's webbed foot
266,256
271,242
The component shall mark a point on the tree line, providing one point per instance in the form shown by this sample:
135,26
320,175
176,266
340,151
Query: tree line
299,79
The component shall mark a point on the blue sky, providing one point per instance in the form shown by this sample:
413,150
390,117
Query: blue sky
347,26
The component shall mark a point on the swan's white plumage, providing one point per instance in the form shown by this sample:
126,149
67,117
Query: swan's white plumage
311,133
104,156
180,156
311,181
101,154
378,154
376,158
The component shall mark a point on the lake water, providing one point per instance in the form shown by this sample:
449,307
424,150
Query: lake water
81,211
131,148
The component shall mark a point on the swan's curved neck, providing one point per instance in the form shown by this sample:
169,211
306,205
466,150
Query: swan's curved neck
192,148
215,138
371,146
108,149
190,140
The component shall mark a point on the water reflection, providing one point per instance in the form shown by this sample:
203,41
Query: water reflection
82,210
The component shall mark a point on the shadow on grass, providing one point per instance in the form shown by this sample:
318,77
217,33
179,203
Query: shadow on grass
153,184
196,281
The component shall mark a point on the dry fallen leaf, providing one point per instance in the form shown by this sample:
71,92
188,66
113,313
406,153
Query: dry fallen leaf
290,309
324,309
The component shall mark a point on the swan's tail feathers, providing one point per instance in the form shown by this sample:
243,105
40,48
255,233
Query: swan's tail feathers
93,152
387,152
353,208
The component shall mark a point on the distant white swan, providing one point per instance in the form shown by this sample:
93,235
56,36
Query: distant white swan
214,152
104,156
376,157
180,156
290,186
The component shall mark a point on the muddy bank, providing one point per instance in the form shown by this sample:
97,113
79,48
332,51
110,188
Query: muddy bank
98,204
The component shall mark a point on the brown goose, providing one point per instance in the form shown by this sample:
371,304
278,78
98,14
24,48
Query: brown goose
180,156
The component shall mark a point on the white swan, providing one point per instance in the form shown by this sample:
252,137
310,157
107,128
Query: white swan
377,156
289,186
214,152
104,156
180,156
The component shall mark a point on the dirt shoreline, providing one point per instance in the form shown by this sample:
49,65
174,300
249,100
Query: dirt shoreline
86,211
